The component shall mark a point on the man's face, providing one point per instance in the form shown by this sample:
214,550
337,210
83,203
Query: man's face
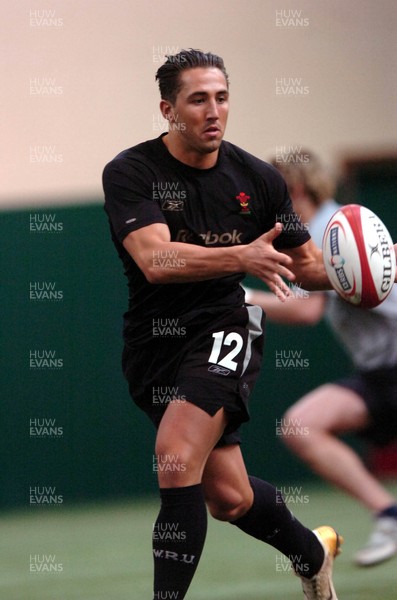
198,117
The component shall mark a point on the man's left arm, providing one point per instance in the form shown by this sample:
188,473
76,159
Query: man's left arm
308,266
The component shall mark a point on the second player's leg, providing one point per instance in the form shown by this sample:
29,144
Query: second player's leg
311,427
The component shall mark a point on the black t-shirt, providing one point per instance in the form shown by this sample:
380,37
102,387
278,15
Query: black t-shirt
232,203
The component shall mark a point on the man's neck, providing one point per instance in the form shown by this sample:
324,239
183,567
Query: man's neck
190,158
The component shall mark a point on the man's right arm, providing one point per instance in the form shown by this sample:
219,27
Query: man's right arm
163,261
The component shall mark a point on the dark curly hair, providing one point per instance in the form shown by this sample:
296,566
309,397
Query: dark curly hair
168,75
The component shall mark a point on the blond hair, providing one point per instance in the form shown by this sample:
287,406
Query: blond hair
305,168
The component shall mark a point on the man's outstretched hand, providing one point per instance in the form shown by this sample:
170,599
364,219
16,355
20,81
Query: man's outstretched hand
262,260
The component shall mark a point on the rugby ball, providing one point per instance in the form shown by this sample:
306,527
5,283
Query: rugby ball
359,256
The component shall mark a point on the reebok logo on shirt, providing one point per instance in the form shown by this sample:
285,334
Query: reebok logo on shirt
184,235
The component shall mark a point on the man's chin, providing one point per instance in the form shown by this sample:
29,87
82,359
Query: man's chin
210,146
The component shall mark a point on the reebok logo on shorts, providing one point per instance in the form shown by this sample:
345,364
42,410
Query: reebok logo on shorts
219,370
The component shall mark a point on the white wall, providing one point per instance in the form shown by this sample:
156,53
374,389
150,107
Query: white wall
78,81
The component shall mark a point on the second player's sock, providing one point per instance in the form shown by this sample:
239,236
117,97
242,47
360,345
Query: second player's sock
178,539
270,521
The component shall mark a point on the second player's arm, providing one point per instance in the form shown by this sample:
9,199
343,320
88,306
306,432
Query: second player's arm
297,310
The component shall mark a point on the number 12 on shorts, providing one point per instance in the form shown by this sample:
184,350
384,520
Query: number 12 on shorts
219,341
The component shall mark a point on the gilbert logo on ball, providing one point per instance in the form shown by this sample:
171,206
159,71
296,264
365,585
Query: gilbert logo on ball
358,256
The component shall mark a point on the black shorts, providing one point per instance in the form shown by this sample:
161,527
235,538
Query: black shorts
211,360
378,389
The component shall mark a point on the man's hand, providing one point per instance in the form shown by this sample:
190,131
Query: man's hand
262,260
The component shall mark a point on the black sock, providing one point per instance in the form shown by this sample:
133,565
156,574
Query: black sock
390,511
178,540
270,521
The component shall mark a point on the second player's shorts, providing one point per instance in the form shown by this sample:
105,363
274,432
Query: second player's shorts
378,389
211,359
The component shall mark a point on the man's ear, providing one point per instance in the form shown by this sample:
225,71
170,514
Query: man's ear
167,110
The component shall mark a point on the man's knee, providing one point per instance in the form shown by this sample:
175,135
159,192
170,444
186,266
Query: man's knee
175,464
229,504
295,430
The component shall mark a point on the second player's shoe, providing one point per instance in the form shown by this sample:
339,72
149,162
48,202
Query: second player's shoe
382,543
320,587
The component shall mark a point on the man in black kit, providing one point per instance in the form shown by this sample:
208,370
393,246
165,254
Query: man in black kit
190,215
